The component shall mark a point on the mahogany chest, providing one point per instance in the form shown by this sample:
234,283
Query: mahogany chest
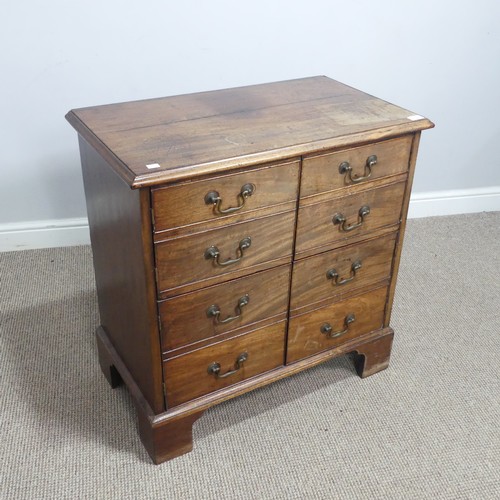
240,236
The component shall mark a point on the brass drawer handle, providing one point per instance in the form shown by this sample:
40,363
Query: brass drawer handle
213,198
333,275
214,368
342,221
345,168
214,253
327,328
214,311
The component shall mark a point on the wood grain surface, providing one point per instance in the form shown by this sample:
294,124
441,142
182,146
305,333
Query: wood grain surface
187,377
320,173
184,318
187,136
373,356
184,204
304,332
120,232
310,282
316,229
181,261
404,215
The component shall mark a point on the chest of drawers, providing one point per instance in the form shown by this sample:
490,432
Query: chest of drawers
241,236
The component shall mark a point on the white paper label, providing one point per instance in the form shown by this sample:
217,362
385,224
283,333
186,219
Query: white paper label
153,165
415,117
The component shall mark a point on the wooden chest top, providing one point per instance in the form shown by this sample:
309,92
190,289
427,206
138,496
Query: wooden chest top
167,139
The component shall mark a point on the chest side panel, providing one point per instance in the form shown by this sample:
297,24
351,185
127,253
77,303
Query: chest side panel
122,251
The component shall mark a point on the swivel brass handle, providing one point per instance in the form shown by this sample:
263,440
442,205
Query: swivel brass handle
214,253
213,198
214,311
341,220
327,328
214,368
345,168
333,275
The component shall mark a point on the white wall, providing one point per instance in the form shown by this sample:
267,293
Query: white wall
440,59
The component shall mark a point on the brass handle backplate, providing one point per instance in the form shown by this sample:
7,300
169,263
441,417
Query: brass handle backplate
326,328
213,198
333,275
345,168
214,253
214,311
214,368
341,221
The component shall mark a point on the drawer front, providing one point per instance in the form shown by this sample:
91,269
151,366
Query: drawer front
328,172
196,316
331,326
331,275
229,197
335,222
207,370
223,252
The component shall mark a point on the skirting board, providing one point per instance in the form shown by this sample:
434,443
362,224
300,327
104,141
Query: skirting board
456,201
44,234
69,232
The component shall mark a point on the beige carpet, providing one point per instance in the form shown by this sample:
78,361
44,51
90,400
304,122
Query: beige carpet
428,427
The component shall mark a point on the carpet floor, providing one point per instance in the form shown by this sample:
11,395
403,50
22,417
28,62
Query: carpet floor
428,426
